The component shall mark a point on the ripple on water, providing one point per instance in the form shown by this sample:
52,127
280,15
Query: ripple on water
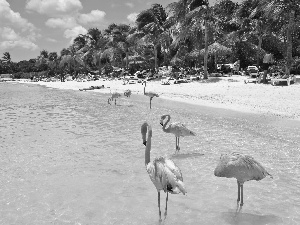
68,157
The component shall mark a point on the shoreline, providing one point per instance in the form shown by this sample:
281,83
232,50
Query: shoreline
222,92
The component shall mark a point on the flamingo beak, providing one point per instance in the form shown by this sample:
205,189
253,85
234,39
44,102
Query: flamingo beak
161,122
145,143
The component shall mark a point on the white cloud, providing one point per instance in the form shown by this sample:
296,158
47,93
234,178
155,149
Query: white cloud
15,31
11,18
132,17
65,22
8,34
129,4
10,39
54,7
95,16
51,40
74,32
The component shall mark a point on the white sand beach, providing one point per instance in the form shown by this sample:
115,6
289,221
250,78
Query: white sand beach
224,92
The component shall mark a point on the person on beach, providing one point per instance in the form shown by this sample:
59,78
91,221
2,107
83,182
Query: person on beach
267,61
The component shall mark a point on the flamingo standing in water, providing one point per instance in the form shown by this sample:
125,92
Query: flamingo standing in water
243,168
163,172
114,95
178,129
151,94
127,93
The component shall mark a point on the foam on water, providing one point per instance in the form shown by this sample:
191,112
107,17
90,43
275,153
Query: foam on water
67,157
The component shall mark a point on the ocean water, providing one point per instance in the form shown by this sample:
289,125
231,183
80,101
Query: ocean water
67,157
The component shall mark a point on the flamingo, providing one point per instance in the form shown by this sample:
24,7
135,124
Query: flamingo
178,129
163,172
127,93
243,168
151,94
114,95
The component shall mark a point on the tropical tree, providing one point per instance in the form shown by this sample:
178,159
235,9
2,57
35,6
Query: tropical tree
286,11
71,59
42,60
6,62
151,23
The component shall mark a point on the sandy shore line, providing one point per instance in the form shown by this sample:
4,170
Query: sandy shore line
226,92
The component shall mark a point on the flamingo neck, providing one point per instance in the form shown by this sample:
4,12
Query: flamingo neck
148,146
167,130
144,87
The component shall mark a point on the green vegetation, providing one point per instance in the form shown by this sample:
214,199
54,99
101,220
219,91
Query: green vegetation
180,35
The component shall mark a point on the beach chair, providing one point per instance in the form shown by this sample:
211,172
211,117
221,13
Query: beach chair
289,79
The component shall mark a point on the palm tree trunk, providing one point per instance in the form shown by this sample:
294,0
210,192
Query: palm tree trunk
127,60
99,64
155,58
289,31
206,50
259,49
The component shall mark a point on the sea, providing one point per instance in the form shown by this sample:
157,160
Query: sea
67,157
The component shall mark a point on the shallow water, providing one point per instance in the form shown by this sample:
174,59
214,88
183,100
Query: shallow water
67,157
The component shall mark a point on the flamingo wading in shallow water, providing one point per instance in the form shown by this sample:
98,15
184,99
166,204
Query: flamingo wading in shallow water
178,129
114,95
163,172
151,94
243,168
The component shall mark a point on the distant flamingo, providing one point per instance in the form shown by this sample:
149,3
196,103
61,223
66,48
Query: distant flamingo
163,172
178,129
243,168
127,93
151,94
114,95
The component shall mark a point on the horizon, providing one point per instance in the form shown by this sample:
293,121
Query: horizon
31,26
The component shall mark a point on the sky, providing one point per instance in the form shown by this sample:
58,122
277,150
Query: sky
29,26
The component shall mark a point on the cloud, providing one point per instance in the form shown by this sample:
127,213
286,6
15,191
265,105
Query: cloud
95,16
64,22
74,32
9,39
8,34
129,4
132,17
15,31
11,18
51,40
54,7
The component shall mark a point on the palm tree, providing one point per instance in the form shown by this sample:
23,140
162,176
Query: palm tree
152,23
286,10
200,10
71,58
192,15
6,62
254,21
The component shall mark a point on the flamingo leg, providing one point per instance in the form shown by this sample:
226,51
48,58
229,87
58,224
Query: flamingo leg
159,212
166,210
242,202
108,100
178,148
150,101
115,101
239,186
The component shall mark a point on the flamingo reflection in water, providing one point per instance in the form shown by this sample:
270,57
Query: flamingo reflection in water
243,168
163,172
